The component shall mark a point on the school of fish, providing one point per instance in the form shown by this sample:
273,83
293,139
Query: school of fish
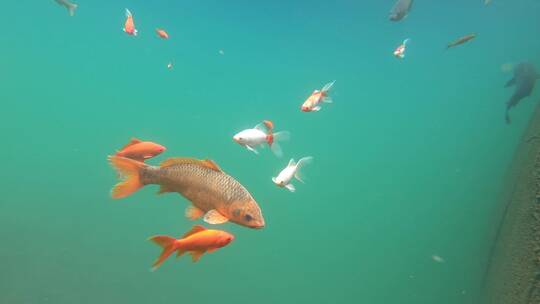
216,197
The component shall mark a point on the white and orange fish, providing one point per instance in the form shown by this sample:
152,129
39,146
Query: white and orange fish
399,52
314,101
263,133
129,26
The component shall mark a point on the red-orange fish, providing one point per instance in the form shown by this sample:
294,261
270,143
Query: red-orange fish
129,26
141,150
197,242
314,101
161,33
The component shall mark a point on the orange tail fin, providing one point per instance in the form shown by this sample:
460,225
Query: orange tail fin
169,246
129,169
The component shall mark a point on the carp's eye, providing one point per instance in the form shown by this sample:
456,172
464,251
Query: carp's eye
248,217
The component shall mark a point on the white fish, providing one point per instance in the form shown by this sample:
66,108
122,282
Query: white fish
437,259
71,7
260,135
286,175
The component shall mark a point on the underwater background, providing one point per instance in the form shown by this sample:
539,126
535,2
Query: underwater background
409,159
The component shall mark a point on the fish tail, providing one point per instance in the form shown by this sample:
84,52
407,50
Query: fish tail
169,246
301,163
130,169
71,9
274,142
128,13
327,87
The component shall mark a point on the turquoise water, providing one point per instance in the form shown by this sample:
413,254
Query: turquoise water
409,159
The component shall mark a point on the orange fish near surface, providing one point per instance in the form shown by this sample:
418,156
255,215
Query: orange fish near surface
197,242
141,150
314,101
161,33
129,26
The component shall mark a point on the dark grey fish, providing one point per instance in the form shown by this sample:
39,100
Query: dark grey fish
524,79
400,9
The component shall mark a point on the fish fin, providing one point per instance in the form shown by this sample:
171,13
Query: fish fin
194,229
510,82
196,255
276,149
212,165
180,252
212,250
165,189
130,169
301,163
290,187
193,212
274,180
135,32
316,109
328,86
291,163
128,13
132,142
406,41
71,9
327,99
168,245
282,136
214,217
250,148
507,117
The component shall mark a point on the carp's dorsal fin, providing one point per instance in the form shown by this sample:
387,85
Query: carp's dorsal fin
214,217
132,142
194,229
212,165
184,161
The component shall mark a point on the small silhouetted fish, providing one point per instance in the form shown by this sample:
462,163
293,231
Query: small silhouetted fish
400,9
524,79
461,40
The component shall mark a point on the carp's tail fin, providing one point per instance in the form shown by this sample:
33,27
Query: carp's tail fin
129,170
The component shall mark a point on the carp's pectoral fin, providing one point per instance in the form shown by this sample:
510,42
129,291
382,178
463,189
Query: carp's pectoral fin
211,250
316,109
193,212
196,255
214,217
510,82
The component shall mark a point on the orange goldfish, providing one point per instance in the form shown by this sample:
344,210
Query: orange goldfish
140,150
129,26
161,33
313,103
197,242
